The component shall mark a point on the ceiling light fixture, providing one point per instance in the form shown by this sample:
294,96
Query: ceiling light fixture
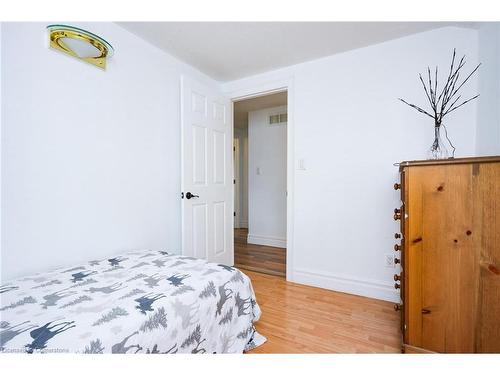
81,44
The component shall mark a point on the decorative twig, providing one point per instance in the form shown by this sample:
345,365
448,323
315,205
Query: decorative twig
435,84
426,93
465,80
440,104
458,106
430,84
417,108
456,100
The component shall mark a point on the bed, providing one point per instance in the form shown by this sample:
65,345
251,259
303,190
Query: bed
138,302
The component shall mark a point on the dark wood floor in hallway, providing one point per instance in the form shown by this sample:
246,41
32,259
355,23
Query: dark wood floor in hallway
258,258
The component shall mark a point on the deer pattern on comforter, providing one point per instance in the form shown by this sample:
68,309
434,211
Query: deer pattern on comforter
139,302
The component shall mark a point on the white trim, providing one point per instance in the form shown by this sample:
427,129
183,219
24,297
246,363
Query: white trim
231,202
254,90
181,123
236,179
266,240
257,91
346,284
243,223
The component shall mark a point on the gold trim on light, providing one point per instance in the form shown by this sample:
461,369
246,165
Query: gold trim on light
58,32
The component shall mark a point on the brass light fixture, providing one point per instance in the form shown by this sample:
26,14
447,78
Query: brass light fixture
81,44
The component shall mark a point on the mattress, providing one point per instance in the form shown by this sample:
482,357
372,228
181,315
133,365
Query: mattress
138,302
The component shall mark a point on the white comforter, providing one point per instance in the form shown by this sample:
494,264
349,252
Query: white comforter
139,302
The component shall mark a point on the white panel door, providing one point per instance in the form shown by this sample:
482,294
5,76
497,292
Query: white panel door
207,173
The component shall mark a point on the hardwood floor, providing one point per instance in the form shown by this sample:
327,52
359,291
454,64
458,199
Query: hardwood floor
265,259
302,319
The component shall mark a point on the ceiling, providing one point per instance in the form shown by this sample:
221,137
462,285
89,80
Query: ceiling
230,50
242,108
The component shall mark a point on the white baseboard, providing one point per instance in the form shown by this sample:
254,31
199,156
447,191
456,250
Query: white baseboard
361,287
266,240
243,223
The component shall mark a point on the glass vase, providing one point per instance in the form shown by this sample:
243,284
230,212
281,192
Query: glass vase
438,149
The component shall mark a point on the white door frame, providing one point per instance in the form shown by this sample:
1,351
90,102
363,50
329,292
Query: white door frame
236,180
266,88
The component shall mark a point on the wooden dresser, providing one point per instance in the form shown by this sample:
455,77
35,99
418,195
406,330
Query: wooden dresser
450,255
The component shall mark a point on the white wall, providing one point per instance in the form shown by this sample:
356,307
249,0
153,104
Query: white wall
90,158
267,190
350,128
488,119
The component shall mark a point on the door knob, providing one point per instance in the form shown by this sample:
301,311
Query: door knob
189,195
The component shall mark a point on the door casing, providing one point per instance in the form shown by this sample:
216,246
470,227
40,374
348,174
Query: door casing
262,89
236,179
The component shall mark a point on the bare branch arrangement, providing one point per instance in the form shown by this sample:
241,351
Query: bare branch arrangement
446,101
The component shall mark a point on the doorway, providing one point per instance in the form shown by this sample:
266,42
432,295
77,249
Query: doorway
260,183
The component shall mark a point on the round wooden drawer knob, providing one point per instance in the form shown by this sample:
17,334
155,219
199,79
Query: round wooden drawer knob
397,307
396,261
397,214
397,235
397,277
397,247
397,186
397,286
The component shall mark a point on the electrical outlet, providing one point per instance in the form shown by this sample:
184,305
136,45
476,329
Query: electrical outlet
389,260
